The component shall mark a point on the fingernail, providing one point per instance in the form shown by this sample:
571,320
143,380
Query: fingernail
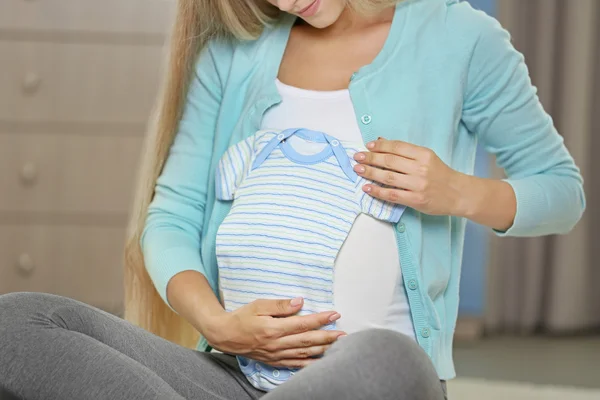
360,169
341,336
359,156
296,302
370,145
335,317
367,188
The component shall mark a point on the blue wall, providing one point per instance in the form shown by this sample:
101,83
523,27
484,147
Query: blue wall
473,278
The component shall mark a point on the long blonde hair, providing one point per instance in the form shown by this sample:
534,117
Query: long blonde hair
196,22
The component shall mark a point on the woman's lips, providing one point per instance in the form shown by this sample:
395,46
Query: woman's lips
311,9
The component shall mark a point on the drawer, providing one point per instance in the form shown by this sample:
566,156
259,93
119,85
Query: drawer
79,83
127,16
84,263
67,173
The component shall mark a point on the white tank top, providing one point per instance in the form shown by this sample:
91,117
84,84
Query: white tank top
368,286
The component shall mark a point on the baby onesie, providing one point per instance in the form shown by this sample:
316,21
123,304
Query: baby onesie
290,215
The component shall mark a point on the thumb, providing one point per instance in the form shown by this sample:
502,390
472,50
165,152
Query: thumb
278,308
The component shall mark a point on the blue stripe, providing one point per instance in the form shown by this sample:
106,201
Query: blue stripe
241,206
225,178
296,208
277,283
308,189
264,138
280,226
279,238
228,176
275,273
371,204
242,158
242,245
233,171
308,178
279,260
381,209
218,185
331,163
276,295
339,172
297,196
303,219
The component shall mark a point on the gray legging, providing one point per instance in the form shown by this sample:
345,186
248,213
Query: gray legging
57,348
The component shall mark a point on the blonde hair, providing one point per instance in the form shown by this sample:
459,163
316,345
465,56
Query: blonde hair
196,22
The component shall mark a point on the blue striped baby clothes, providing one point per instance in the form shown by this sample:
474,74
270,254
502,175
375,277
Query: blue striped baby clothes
290,215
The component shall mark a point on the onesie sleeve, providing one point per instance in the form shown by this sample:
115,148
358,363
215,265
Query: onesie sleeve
233,168
380,209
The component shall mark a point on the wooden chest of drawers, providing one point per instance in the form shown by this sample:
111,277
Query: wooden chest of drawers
78,81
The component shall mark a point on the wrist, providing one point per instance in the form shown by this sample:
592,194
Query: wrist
488,202
216,329
469,196
209,322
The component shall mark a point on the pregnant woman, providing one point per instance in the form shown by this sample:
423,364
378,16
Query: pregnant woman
418,83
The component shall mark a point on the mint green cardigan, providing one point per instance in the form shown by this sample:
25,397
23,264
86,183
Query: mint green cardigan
446,78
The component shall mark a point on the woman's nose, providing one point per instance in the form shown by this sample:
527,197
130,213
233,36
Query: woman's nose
286,5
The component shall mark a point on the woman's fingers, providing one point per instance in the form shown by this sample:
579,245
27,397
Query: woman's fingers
388,178
276,308
293,363
300,353
397,147
299,324
391,162
307,340
398,196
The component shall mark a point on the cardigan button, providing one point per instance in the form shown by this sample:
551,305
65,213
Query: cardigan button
401,228
425,332
366,119
412,284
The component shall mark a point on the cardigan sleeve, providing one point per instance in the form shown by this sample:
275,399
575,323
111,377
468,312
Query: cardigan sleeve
172,235
501,106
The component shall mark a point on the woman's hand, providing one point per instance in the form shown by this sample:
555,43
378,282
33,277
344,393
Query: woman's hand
417,178
257,331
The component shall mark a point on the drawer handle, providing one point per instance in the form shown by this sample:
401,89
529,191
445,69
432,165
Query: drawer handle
31,83
29,173
25,263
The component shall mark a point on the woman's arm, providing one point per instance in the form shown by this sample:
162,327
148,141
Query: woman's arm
171,245
502,107
488,202
544,192
257,330
173,231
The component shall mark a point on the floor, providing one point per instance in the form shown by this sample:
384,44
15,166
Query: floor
542,361
477,389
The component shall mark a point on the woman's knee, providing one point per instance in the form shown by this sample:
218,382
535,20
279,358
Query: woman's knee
29,307
20,301
23,301
392,357
382,341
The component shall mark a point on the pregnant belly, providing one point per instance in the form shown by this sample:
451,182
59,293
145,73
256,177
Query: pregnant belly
367,271
261,260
